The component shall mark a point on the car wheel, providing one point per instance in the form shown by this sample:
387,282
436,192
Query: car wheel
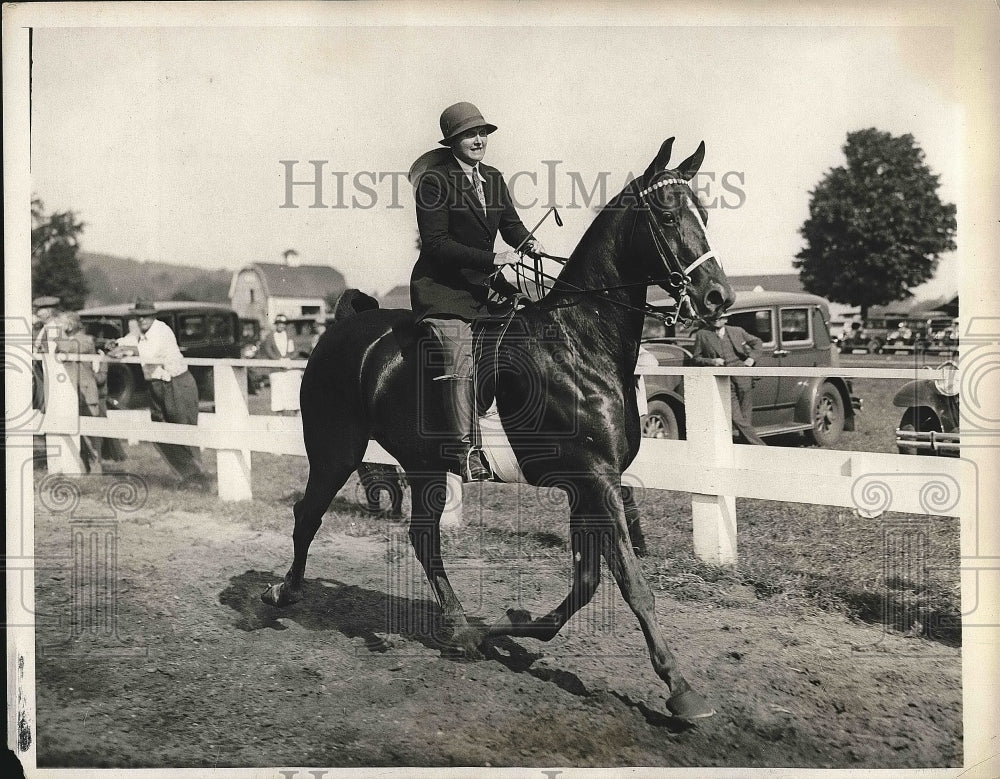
918,421
660,422
828,416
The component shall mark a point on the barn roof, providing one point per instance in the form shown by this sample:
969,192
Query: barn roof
299,281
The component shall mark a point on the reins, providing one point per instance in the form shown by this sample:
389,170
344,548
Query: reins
678,279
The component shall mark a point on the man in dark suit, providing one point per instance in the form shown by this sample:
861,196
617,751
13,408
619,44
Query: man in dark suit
461,206
717,343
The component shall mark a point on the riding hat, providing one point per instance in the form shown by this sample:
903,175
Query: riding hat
142,307
46,301
281,319
458,118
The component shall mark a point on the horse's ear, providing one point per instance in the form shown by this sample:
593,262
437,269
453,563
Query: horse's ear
690,166
662,158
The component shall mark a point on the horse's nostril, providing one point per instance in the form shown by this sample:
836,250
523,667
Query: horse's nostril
715,298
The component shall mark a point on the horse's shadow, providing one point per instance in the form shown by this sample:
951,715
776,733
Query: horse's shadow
375,616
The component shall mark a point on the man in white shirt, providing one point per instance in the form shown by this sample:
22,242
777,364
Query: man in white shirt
173,394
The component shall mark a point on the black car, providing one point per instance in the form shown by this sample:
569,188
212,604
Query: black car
202,330
794,331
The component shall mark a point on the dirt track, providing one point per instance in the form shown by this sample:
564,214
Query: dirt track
202,674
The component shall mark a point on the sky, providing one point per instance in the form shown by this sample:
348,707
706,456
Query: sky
168,142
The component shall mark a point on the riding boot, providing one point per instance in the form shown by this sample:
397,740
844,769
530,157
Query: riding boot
459,407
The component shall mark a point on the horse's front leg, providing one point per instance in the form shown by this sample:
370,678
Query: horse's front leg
683,702
588,525
428,496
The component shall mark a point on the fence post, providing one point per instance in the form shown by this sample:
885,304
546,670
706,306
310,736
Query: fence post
232,415
62,413
710,441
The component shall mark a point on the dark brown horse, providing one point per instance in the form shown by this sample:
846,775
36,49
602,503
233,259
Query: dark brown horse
565,395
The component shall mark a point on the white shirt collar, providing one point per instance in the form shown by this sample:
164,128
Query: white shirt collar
469,169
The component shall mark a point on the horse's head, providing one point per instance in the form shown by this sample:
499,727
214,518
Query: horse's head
681,260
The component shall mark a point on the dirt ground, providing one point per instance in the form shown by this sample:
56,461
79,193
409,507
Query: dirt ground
155,650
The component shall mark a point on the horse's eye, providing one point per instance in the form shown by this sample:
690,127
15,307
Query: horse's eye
669,218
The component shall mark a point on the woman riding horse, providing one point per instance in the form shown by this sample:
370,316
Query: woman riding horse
568,409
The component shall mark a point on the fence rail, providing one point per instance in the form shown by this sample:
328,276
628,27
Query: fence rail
708,464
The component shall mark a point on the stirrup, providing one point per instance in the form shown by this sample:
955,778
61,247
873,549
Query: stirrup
471,467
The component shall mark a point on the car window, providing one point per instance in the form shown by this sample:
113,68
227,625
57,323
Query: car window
104,329
220,327
192,327
794,326
820,332
759,322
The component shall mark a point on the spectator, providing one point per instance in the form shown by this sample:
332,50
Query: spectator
43,310
318,329
173,394
279,345
72,340
717,343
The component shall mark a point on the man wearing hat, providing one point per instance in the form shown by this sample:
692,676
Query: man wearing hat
717,343
279,345
173,394
43,310
461,206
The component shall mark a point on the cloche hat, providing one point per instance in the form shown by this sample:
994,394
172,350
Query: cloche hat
458,118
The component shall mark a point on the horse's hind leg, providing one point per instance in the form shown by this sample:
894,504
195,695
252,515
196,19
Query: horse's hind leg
684,702
328,472
427,494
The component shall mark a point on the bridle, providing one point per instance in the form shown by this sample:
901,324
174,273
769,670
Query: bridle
678,278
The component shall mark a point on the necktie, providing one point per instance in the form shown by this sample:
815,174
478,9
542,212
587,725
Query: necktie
479,189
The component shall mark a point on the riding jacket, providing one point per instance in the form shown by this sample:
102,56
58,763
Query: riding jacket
451,278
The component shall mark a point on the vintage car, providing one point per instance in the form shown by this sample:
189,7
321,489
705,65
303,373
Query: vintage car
930,424
794,331
858,338
202,330
942,335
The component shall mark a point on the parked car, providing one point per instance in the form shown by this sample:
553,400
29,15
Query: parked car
930,424
795,332
202,330
942,335
858,338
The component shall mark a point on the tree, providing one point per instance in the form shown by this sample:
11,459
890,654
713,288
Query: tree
876,227
55,268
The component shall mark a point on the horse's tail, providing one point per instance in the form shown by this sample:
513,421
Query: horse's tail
352,302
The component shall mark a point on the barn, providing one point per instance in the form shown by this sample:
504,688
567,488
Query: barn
262,290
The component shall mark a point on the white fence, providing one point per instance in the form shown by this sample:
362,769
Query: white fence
708,464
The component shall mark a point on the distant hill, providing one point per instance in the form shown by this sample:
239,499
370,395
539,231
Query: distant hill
121,280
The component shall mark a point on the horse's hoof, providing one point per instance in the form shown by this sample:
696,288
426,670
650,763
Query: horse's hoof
689,705
514,618
466,645
279,595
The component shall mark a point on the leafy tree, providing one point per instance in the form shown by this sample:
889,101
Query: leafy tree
876,226
55,268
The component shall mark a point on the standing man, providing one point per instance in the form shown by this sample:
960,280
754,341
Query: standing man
173,394
717,343
461,206
43,310
279,345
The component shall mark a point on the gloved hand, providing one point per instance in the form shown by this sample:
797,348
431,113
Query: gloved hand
534,247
